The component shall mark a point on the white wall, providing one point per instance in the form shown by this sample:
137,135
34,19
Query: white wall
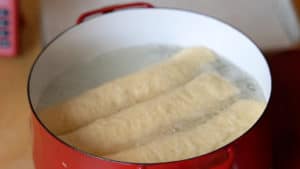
269,24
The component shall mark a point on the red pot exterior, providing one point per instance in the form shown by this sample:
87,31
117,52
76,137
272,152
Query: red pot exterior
51,153
248,152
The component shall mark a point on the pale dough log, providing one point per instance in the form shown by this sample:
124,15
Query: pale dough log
119,131
216,132
126,91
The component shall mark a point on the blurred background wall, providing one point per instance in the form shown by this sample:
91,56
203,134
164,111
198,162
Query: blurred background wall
271,23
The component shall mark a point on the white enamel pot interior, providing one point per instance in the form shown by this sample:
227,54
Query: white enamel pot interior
137,27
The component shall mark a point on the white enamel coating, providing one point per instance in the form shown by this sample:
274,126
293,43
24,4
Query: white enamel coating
147,26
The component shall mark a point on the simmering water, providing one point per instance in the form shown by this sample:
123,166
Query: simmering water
92,73
105,67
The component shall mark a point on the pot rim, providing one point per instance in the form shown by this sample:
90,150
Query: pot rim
35,114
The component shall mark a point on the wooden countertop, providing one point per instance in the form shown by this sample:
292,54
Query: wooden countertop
15,137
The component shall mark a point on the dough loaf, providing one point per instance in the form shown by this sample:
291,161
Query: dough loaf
203,138
113,96
121,130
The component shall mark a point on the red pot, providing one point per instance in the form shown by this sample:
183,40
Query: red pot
135,27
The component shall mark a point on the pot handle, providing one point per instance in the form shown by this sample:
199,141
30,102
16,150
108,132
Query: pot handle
112,8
